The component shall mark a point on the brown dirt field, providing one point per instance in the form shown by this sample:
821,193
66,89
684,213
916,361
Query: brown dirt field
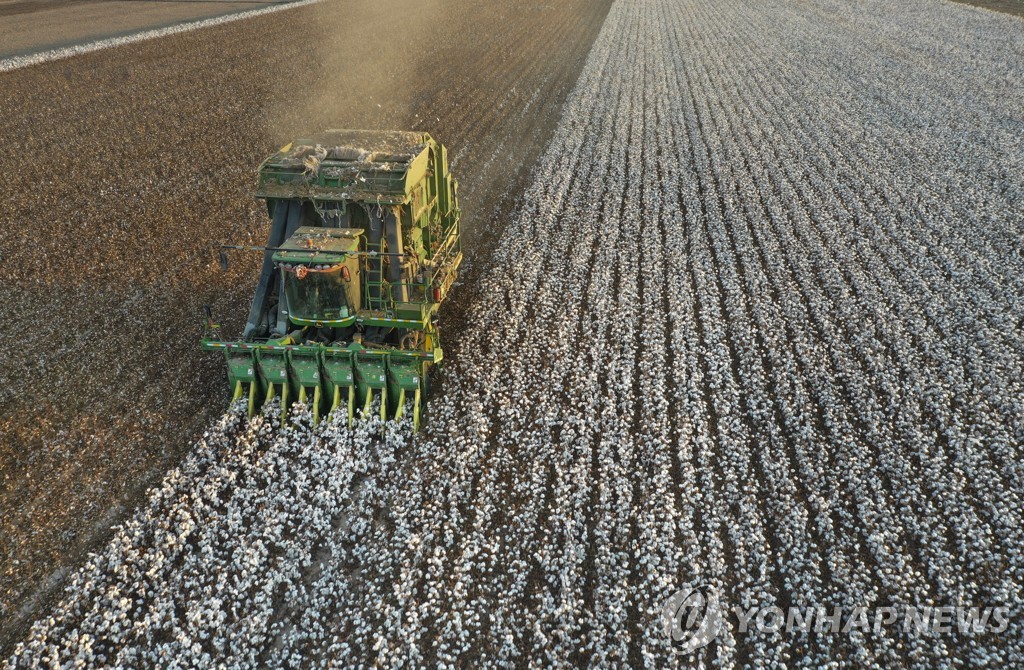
124,169
1015,7
29,26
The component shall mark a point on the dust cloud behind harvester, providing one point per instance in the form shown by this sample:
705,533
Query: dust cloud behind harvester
359,78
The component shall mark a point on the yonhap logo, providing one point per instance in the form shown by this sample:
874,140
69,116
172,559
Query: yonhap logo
692,617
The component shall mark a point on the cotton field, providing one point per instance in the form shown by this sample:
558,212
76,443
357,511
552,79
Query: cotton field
756,325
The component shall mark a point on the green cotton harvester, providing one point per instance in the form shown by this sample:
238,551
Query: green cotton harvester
364,247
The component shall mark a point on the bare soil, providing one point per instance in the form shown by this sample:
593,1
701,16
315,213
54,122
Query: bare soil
123,170
1015,7
29,26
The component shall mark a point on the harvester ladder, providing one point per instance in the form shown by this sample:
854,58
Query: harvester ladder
374,290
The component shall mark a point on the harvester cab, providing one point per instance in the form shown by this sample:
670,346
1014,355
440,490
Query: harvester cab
318,285
364,246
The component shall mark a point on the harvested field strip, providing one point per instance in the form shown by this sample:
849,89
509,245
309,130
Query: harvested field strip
756,324
141,172
15,62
